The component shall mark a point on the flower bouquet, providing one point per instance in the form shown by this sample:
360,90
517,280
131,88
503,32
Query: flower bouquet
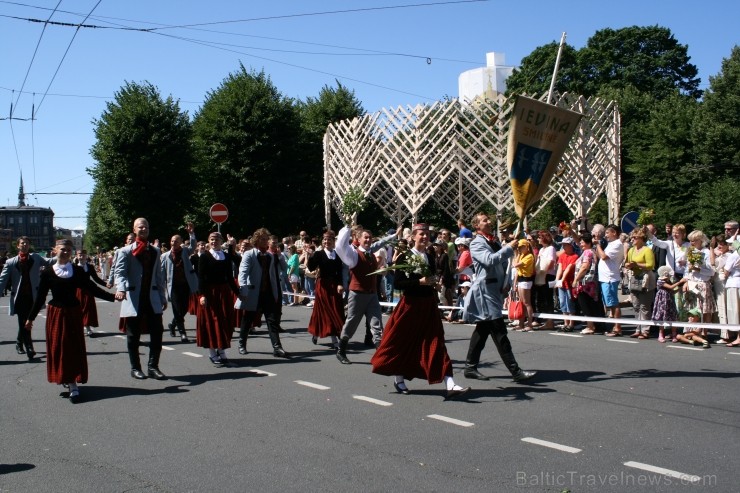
646,217
415,264
353,202
695,258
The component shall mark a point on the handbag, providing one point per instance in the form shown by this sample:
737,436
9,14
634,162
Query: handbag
636,283
516,307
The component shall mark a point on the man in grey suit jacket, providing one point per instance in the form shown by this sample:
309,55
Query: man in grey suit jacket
484,301
23,272
182,280
140,286
258,290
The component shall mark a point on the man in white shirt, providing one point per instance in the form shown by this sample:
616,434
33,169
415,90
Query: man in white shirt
609,269
731,233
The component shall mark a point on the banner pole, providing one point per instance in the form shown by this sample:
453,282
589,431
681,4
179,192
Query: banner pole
555,71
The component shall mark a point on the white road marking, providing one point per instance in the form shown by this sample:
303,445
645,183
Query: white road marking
453,421
372,401
665,472
617,339
732,353
120,336
194,355
168,348
689,348
556,446
564,335
263,372
312,385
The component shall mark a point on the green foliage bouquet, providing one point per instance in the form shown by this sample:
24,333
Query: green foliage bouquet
695,258
646,217
353,202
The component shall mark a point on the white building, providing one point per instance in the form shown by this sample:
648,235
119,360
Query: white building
485,81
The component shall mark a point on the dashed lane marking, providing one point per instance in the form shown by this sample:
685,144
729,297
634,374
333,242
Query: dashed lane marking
372,401
120,336
194,355
168,348
312,385
556,446
665,472
616,339
688,348
733,353
458,422
565,335
263,372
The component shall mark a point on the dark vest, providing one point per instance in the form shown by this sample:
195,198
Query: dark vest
359,280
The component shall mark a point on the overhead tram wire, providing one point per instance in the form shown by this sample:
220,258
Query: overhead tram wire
65,56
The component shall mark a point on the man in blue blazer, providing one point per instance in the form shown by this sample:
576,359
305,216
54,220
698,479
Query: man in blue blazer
258,290
484,301
140,286
23,272
182,280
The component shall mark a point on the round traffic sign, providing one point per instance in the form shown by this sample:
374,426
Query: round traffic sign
219,213
629,221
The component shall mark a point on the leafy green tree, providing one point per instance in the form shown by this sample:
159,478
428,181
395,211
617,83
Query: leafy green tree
333,104
717,202
142,165
646,58
717,129
245,137
535,73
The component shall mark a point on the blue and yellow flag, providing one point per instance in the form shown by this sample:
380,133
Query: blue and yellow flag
538,136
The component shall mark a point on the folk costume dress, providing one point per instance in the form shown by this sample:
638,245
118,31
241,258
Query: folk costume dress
413,343
327,318
66,357
215,322
86,298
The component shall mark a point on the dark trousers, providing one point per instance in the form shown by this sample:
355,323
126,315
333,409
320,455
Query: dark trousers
497,330
153,323
22,308
179,301
272,310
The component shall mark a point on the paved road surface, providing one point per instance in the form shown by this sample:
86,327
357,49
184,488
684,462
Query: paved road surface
603,415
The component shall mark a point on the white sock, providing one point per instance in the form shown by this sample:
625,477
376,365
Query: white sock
222,353
450,384
213,353
73,387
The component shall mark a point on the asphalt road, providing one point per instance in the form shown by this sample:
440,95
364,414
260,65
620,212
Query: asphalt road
602,415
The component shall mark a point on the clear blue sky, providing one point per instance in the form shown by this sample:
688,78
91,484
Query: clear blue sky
381,54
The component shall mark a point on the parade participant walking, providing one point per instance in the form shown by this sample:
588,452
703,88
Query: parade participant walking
22,272
217,287
182,280
140,286
259,290
413,343
327,317
87,300
363,298
484,301
66,357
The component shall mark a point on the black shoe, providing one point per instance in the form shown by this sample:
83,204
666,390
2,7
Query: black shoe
401,390
138,374
19,348
369,342
474,374
242,348
314,339
279,352
451,394
524,375
31,354
156,374
216,360
172,330
74,396
184,338
342,357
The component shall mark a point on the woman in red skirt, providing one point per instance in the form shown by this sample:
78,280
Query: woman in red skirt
413,343
66,357
215,322
327,318
87,300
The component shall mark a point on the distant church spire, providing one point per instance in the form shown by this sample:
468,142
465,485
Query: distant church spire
21,195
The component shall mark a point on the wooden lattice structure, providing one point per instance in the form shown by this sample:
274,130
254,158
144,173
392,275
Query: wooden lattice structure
454,153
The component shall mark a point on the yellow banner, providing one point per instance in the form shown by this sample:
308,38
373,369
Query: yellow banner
538,136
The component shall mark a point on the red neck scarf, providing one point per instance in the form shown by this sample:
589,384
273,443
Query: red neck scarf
139,247
23,256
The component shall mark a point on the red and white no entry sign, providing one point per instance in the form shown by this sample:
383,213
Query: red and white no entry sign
219,213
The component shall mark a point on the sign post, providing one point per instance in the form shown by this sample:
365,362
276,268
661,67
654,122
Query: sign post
219,214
